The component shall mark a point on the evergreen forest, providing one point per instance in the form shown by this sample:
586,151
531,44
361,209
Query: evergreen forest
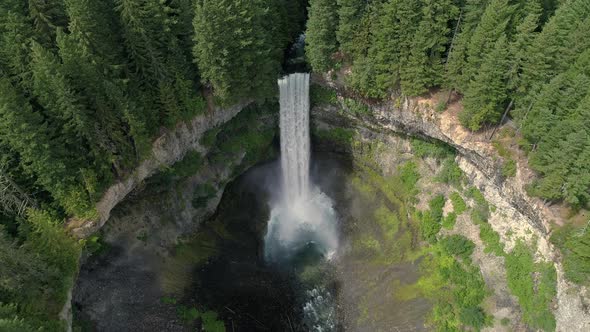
86,86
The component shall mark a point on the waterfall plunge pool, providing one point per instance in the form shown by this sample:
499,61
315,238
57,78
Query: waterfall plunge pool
353,291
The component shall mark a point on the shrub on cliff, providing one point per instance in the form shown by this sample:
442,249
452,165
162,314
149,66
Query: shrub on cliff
574,244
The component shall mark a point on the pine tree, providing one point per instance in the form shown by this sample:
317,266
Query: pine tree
14,53
350,13
423,67
555,49
51,88
47,17
94,26
491,27
182,15
520,48
522,9
363,37
456,69
94,58
362,78
87,147
234,48
320,35
41,153
288,19
150,28
25,277
557,126
486,93
555,98
157,40
564,160
384,55
96,114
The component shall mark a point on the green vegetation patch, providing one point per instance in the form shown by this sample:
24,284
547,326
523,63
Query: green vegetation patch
356,107
455,285
167,176
178,269
321,95
245,133
388,221
95,245
210,137
458,245
476,195
368,245
449,221
387,237
509,164
574,244
450,173
491,239
534,284
431,220
481,211
210,321
449,277
337,135
189,165
509,168
36,274
459,205
479,216
408,177
437,149
401,187
202,194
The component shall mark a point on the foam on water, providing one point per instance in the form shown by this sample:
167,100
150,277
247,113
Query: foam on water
295,224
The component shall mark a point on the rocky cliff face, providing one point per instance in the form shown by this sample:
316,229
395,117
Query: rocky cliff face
517,216
166,150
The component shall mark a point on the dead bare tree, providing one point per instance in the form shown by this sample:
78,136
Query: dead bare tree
524,118
451,50
502,120
13,199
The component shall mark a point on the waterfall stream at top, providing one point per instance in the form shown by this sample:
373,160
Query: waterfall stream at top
294,124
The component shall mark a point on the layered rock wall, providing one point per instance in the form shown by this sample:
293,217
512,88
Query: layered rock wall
517,215
167,149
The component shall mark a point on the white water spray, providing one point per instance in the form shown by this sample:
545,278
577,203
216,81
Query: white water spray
304,215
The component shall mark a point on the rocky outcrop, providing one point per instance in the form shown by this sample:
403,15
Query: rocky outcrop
416,117
166,150
518,216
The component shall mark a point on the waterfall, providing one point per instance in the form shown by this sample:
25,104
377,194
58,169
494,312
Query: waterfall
303,223
303,216
294,125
